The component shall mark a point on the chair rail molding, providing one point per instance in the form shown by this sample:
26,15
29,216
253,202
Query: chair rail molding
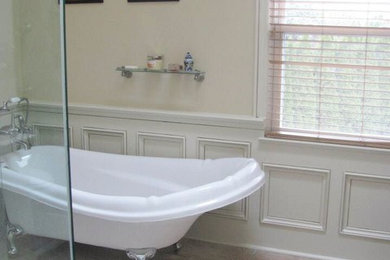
208,119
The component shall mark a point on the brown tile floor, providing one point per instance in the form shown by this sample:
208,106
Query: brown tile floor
33,248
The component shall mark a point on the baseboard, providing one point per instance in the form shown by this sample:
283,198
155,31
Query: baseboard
270,249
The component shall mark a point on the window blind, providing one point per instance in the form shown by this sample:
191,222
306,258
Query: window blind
329,73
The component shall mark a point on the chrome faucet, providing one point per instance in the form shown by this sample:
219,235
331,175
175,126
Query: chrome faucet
16,137
13,100
25,144
18,127
3,132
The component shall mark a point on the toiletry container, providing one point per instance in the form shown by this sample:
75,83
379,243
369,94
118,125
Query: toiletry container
188,62
155,62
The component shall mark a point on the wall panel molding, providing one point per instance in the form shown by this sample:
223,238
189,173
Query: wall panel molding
238,210
104,140
161,145
222,148
295,197
365,209
54,132
284,228
216,148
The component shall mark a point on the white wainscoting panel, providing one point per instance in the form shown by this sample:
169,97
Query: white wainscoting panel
104,140
213,149
161,145
294,204
51,135
295,197
237,210
366,206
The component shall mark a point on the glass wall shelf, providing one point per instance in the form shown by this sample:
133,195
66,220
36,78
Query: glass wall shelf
128,72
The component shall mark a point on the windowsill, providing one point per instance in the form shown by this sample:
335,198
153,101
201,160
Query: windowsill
351,142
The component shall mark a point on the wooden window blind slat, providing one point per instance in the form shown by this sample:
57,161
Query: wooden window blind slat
329,73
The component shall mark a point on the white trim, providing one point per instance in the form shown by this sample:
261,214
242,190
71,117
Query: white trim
271,249
46,107
344,212
256,62
290,222
295,253
262,58
142,136
208,119
323,145
102,131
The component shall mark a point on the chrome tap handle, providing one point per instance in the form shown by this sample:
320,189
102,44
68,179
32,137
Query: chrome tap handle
4,107
24,144
17,100
23,99
14,129
21,122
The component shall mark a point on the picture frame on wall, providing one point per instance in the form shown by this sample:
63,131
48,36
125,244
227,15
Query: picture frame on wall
83,1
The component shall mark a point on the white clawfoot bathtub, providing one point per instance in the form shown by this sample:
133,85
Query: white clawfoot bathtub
120,201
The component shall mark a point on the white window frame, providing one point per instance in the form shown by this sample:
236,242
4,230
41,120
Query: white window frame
263,93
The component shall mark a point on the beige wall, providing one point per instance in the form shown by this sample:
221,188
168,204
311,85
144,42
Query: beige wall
219,33
30,61
38,31
7,52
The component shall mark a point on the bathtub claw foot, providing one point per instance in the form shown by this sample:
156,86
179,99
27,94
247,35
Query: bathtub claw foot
12,232
141,254
177,247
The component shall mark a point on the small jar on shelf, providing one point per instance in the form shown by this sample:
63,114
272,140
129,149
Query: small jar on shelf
155,62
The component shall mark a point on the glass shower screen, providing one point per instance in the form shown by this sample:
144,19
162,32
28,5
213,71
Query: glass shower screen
35,211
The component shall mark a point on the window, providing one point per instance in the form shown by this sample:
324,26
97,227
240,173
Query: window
329,72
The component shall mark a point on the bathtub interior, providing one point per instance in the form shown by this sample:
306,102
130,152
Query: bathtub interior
47,163
145,189
112,174
37,174
148,176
